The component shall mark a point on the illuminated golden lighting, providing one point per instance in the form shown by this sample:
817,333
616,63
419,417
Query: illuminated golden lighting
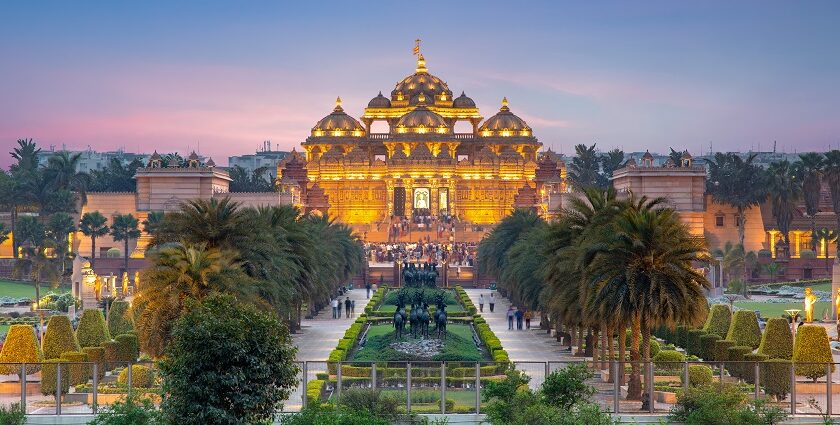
441,130
421,129
338,132
357,133
486,133
443,96
505,133
525,133
401,129
318,133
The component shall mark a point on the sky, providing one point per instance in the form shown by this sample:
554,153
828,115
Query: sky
222,77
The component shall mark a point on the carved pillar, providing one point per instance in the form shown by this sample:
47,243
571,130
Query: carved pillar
389,188
453,209
434,196
409,196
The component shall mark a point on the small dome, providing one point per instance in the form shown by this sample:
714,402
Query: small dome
686,155
210,163
420,82
463,101
379,102
422,118
338,124
504,124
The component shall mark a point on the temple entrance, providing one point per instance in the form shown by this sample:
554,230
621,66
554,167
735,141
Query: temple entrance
422,198
399,201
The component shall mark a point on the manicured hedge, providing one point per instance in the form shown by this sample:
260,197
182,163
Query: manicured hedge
128,347
707,347
775,378
120,320
96,355
79,373
698,375
141,376
811,346
735,355
744,329
49,378
777,341
681,336
668,360
21,346
92,330
692,342
718,320
749,369
722,349
59,338
314,389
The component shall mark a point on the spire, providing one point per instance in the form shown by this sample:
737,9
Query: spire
338,104
504,104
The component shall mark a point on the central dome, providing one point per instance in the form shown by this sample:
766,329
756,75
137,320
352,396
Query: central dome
421,82
422,120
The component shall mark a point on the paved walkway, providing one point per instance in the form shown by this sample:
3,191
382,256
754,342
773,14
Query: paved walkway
318,336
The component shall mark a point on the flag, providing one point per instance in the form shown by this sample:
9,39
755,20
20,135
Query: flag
417,47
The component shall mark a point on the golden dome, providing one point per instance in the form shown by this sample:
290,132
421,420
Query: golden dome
421,82
338,124
422,120
504,124
463,101
379,102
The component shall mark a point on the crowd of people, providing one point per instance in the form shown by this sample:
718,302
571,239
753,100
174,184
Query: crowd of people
424,221
457,254
348,305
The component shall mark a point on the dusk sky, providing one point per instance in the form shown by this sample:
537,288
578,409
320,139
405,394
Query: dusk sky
224,76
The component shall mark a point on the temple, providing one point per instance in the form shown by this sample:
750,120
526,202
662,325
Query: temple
421,166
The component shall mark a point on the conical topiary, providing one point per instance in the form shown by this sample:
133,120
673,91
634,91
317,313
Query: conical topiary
120,321
718,320
92,330
21,346
777,341
744,329
811,351
59,338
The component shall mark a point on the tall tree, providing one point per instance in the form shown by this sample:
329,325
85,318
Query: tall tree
610,162
33,239
116,177
59,227
26,183
733,262
61,173
832,178
255,181
583,171
124,228
4,234
737,182
153,223
785,190
676,157
810,171
93,225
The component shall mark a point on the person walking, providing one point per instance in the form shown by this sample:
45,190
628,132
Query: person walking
510,318
481,303
335,308
492,301
347,307
339,303
518,315
367,287
352,308
528,316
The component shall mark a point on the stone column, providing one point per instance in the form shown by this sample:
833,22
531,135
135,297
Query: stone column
389,201
433,196
409,197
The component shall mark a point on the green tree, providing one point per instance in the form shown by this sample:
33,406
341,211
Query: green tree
785,189
25,186
255,181
93,225
583,171
832,178
733,262
773,269
116,177
61,174
4,234
124,228
59,228
610,161
33,239
153,223
826,236
810,171
227,363
737,182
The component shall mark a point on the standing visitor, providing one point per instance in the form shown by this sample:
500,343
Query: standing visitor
528,316
339,303
335,308
492,301
481,303
518,315
367,287
353,308
347,307
510,317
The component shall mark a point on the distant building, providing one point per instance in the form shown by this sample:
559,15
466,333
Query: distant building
93,160
265,157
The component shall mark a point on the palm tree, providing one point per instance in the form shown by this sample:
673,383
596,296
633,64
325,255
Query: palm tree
25,183
59,228
33,239
583,171
124,228
61,174
733,262
611,161
217,223
4,234
831,174
810,170
493,248
785,189
93,225
773,269
826,236
737,182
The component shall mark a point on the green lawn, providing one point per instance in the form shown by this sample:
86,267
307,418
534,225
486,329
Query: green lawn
458,346
22,290
778,309
4,329
455,308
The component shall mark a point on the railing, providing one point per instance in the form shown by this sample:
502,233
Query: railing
74,388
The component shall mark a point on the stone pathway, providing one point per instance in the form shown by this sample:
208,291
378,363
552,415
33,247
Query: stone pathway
318,336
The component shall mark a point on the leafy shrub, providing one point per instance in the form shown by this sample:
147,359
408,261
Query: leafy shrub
325,414
59,338
111,354
49,377
14,415
749,368
777,341
92,330
669,360
692,341
680,336
698,375
96,355
128,347
718,320
79,373
565,387
21,346
736,354
722,404
707,346
811,346
314,389
775,378
654,347
722,349
132,411
141,376
807,253
744,329
120,321
372,401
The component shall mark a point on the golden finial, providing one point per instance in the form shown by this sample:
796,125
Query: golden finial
421,63
504,101
338,103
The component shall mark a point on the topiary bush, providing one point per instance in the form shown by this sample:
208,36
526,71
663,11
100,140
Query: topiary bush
744,329
119,319
718,320
777,341
692,342
707,346
654,348
698,376
59,338
79,373
96,355
21,346
680,336
734,356
92,330
128,347
668,360
49,378
722,349
811,351
141,376
749,369
775,378
314,389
